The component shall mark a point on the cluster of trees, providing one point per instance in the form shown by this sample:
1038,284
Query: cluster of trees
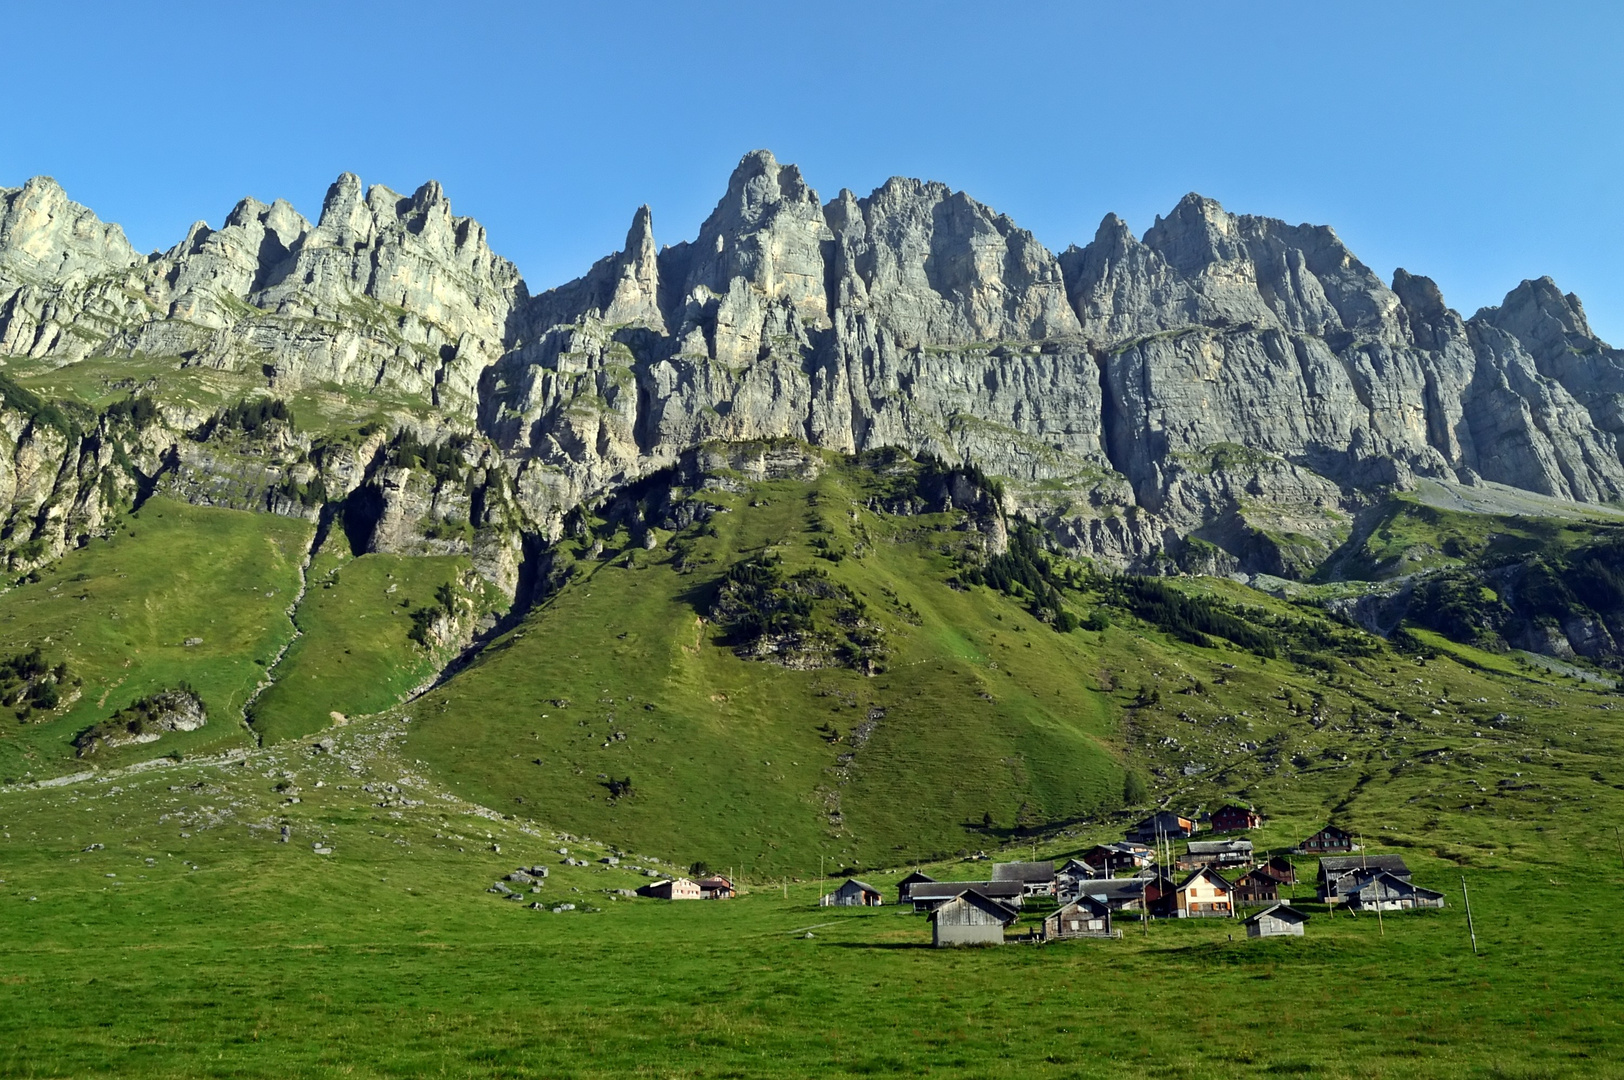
28,681
249,416
133,410
441,460
756,600
1196,619
423,618
1025,571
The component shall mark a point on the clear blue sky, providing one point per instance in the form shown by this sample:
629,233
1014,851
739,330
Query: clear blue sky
1479,143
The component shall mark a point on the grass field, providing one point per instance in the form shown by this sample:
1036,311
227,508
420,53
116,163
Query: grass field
194,944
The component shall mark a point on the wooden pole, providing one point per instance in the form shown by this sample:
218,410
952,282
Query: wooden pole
1470,929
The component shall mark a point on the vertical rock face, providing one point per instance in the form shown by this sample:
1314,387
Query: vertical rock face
1228,377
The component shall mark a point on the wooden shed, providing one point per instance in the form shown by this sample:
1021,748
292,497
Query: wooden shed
1337,873
1281,920
1378,890
907,883
673,889
970,919
1235,818
1107,860
853,893
1162,824
1215,853
1257,887
1280,869
1083,917
1154,892
1328,841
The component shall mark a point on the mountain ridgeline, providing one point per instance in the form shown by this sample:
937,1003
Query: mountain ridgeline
1225,394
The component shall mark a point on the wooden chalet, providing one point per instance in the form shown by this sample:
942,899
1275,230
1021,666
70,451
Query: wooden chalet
1037,877
1162,824
1281,920
929,895
1256,887
1107,860
969,919
1235,818
1204,895
1378,890
853,893
1215,853
915,878
716,888
673,889
1083,917
1328,841
1336,873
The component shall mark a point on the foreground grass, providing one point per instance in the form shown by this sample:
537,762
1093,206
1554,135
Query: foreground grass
229,954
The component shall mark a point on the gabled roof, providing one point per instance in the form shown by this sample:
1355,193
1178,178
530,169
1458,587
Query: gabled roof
975,899
1029,872
915,877
1128,888
716,882
1093,905
1220,847
1280,911
1362,881
1335,865
860,884
946,890
1235,807
1205,871
1330,830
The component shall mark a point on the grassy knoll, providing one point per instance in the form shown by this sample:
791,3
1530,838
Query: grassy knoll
354,654
981,711
120,610
193,943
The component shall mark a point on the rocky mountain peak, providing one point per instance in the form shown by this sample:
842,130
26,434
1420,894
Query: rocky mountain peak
1542,318
46,236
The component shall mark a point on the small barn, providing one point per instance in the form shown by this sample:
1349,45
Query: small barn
672,889
1215,853
1162,824
1328,841
1280,869
1204,895
1235,818
907,883
1083,917
1129,894
969,919
1337,873
1256,887
715,888
1037,877
1378,890
929,895
1281,920
853,893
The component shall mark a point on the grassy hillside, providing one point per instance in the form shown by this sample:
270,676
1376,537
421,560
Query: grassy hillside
980,710
355,653
119,613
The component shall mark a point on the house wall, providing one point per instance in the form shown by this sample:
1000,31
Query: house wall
944,933
1204,898
1272,927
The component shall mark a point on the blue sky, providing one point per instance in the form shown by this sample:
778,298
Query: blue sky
1478,143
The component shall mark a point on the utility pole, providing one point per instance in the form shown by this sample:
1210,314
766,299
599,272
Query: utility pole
1470,929
1364,862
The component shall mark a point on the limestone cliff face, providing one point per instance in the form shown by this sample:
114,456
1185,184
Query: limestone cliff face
1227,378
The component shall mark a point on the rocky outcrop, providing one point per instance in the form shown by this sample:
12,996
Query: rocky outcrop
1223,392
